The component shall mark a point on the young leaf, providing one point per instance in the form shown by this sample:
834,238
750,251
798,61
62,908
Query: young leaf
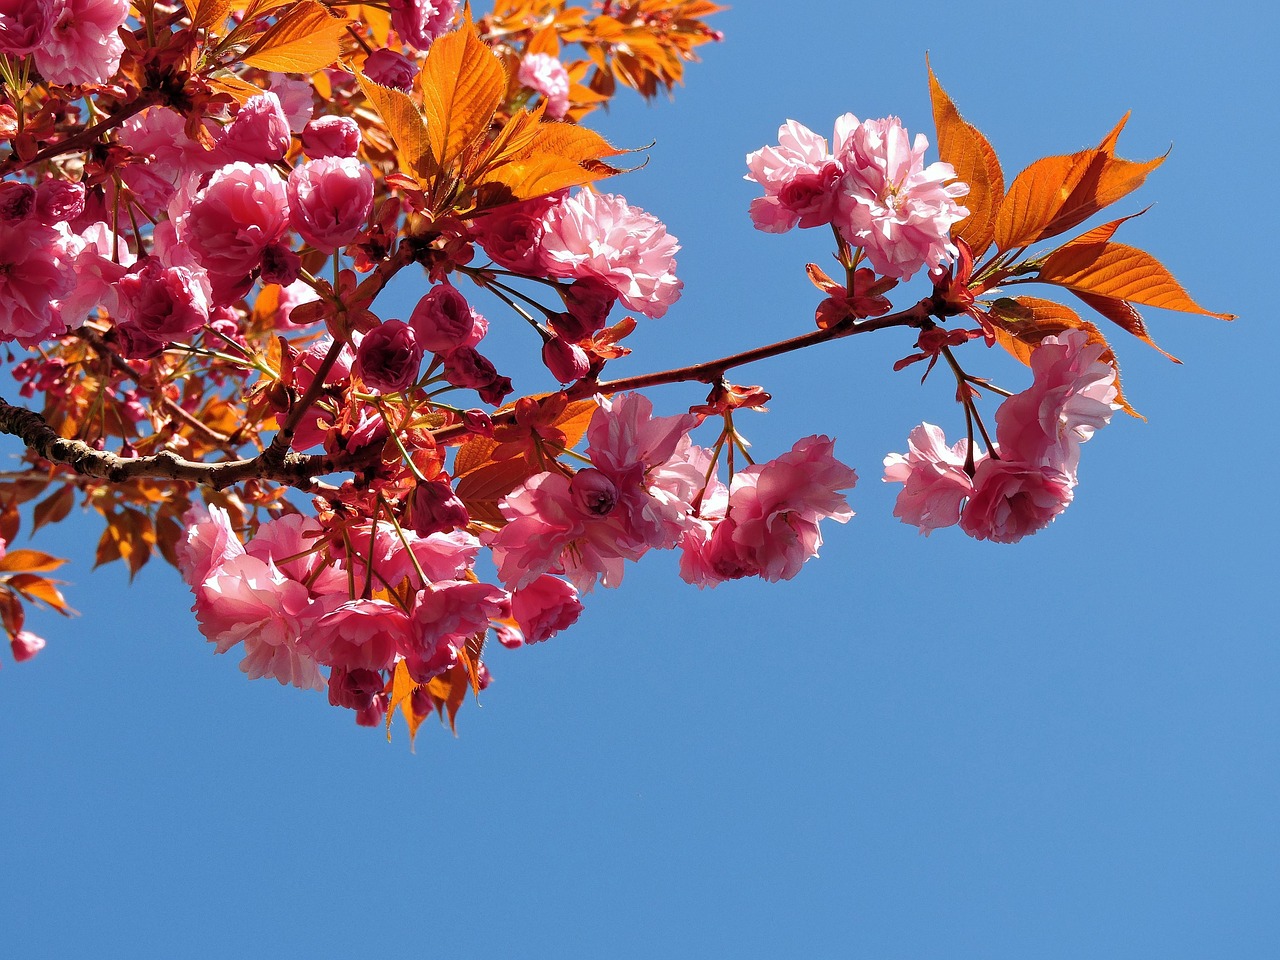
38,588
554,156
463,83
55,507
1120,272
30,561
975,162
405,124
306,39
208,14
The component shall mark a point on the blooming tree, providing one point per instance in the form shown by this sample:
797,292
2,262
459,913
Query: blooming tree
201,204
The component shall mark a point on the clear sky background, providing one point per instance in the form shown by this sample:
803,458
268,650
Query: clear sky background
920,748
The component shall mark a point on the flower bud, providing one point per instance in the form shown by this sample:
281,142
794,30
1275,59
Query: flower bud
434,508
258,134
444,321
17,201
389,357
331,137
25,646
390,69
329,201
566,361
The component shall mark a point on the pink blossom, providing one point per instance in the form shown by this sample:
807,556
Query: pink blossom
512,234
361,691
799,177
443,321
447,613
209,542
293,543
25,645
329,200
84,45
159,304
24,26
420,22
1072,394
435,508
600,236
35,272
248,599
566,361
243,210
258,134
1013,499
546,75
58,201
390,69
545,607
465,367
893,206
17,201
440,556
587,304
542,520
100,259
297,99
360,635
389,357
934,479
166,157
331,136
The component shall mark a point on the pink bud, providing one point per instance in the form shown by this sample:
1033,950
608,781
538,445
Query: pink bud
17,200
588,303
390,69
329,200
443,320
566,361
478,422
593,493
434,508
25,646
258,134
389,357
331,137
545,607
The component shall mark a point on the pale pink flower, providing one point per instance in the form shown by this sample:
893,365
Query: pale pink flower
600,236
24,26
25,645
420,22
297,99
243,210
1012,499
360,635
544,608
35,272
58,201
542,519
933,477
167,157
899,211
329,200
84,45
775,508
441,556
294,543
1073,393
546,75
210,541
799,177
331,136
100,259
389,357
248,599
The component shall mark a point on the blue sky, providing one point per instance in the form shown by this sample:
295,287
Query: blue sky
919,748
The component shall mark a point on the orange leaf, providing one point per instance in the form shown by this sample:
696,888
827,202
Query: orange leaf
54,508
38,588
481,489
463,83
30,561
305,39
975,162
450,690
405,124
403,687
1055,194
546,40
207,14
11,520
11,613
574,420
1120,272
554,155
1124,315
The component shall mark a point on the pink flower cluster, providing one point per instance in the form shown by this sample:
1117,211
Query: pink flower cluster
1030,476
71,41
649,487
872,185
300,598
589,236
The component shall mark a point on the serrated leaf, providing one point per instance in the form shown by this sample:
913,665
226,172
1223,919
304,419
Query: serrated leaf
406,125
1121,272
207,14
463,83
556,155
54,508
481,489
38,588
975,162
307,38
403,688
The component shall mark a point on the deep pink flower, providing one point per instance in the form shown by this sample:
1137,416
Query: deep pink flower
17,202
361,691
331,136
512,235
566,361
447,614
58,201
84,45
35,272
893,206
465,367
389,357
934,479
167,157
159,304
587,304
25,645
420,22
435,508
209,542
1012,499
1073,393
546,75
258,134
250,600
24,26
545,607
243,210
601,237
360,635
329,200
